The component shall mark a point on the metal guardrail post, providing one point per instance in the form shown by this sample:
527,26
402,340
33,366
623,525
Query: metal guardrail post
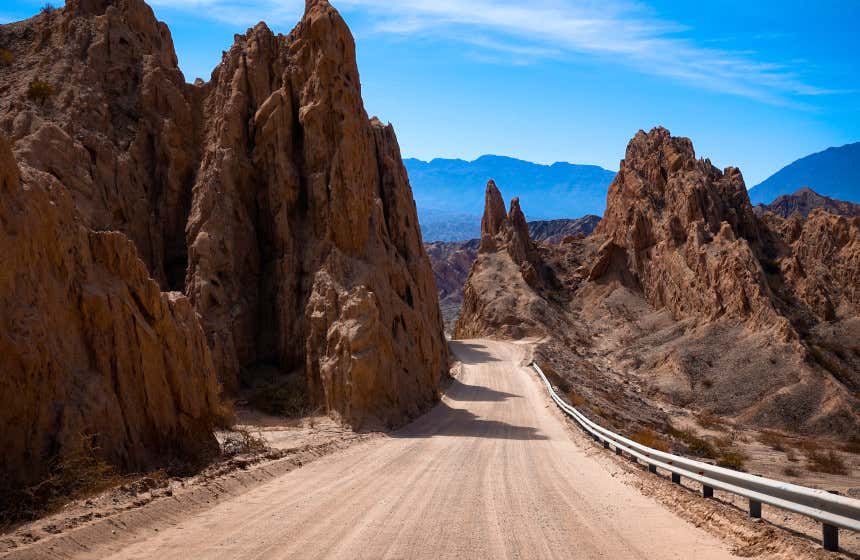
830,537
652,469
707,491
618,450
676,478
755,509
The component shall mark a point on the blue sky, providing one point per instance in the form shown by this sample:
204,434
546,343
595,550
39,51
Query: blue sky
754,84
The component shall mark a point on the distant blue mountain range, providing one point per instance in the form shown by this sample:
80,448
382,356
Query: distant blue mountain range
449,193
834,173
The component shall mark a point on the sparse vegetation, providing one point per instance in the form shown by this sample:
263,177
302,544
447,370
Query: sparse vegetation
650,438
78,474
826,462
6,57
710,421
791,471
281,395
731,459
39,91
48,9
575,398
772,439
241,441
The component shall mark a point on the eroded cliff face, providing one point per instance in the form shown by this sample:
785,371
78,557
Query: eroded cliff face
266,196
304,245
687,231
92,353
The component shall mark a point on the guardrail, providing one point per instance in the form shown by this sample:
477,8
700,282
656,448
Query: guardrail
832,510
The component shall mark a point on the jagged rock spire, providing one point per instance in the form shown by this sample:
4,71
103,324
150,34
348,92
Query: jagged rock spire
494,219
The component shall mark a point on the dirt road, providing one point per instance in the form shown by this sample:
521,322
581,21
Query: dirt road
492,472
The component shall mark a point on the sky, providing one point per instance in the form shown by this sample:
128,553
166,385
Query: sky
755,84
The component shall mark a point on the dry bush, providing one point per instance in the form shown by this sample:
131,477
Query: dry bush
650,438
48,9
555,378
242,442
772,439
791,471
791,456
575,399
6,57
732,459
829,462
710,421
697,446
77,475
39,91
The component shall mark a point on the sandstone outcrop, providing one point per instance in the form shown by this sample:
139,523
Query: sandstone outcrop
266,196
92,353
499,297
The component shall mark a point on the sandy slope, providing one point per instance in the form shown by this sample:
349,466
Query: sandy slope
491,472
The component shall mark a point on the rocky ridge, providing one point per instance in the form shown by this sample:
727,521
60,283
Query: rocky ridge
803,202
266,196
692,296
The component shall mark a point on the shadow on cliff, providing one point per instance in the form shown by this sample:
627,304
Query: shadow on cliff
444,420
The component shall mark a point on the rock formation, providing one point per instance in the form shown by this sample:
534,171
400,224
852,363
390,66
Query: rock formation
266,196
451,263
499,296
803,202
554,232
91,352
683,292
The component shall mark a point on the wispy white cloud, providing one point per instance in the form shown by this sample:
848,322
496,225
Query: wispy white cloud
620,32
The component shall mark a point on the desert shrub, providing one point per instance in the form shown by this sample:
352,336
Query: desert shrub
695,445
281,396
731,459
774,440
555,378
826,462
710,421
48,9
791,471
6,57
39,91
575,398
76,475
791,456
650,438
242,442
